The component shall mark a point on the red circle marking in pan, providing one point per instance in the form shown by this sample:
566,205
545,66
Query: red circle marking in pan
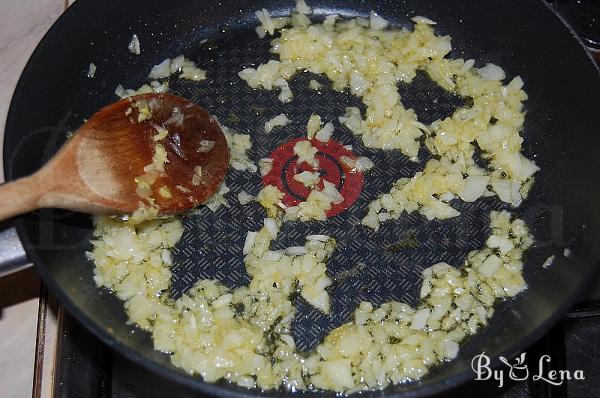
348,182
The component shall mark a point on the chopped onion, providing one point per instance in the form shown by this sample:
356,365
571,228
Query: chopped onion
165,192
324,135
501,243
376,22
91,71
177,64
423,20
549,261
467,65
320,238
348,161
244,198
161,70
330,191
300,20
419,319
161,133
265,165
134,45
492,72
272,227
265,19
277,121
296,251
249,242
363,164
313,125
314,85
475,186
307,178
177,118
302,8
490,265
306,152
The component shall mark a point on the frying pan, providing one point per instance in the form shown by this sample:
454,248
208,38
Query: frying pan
54,95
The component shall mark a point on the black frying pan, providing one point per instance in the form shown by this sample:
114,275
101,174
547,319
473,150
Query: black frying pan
525,37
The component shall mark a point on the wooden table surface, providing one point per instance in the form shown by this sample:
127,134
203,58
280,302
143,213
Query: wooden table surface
23,25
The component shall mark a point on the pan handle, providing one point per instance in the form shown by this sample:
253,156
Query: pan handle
12,254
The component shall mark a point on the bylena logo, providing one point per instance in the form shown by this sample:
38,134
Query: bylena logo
519,370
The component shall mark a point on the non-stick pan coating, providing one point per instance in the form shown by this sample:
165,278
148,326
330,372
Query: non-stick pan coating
525,38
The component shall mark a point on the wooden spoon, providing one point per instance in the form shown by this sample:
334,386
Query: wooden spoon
104,167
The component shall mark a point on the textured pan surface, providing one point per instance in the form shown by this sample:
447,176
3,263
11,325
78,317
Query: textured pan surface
525,38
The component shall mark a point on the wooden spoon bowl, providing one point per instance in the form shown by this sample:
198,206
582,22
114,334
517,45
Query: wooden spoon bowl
99,168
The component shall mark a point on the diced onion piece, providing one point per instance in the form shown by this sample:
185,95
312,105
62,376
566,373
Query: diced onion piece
475,186
302,8
177,64
161,70
300,20
352,120
331,191
177,118
358,83
183,189
91,70
423,20
467,65
320,238
159,159
330,20
244,198
306,152
450,349
265,19
197,177
191,72
286,94
501,243
165,192
324,135
363,164
348,161
376,22
271,226
265,165
419,319
218,199
314,85
249,242
134,45
492,72
508,191
161,133
277,121
205,146
548,262
307,178
296,251
313,125
490,265
338,373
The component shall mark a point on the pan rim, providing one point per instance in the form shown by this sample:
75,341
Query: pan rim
195,382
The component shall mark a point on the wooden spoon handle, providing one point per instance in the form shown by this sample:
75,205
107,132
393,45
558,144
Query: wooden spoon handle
18,197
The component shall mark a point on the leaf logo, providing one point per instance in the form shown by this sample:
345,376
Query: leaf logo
519,371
